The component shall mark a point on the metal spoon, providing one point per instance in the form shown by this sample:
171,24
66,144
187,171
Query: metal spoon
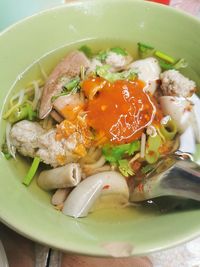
175,175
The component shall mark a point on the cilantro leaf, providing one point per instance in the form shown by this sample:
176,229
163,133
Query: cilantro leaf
125,168
115,153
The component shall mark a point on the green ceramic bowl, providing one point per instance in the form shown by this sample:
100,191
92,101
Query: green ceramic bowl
28,210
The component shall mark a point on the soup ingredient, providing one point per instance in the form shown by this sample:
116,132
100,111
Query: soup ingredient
175,84
32,171
166,62
56,152
86,50
61,177
24,136
118,59
125,168
133,110
115,153
56,116
23,104
59,196
145,50
152,153
168,129
24,111
179,109
148,70
165,57
31,140
105,72
109,187
67,69
69,106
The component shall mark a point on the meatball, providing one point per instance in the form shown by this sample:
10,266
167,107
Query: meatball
117,61
24,136
31,140
175,84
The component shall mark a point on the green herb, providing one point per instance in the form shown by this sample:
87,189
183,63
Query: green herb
180,64
164,57
72,85
119,51
86,50
69,86
103,71
115,153
24,111
146,169
102,56
58,95
152,149
125,168
144,50
31,173
4,150
165,66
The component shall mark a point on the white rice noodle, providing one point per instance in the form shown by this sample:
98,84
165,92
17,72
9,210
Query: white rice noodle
11,148
143,144
106,188
95,167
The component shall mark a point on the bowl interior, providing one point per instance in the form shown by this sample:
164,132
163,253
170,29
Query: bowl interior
47,37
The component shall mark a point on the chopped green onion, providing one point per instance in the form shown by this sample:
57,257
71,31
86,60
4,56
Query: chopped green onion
72,84
169,130
86,50
103,71
180,64
165,66
125,168
31,173
144,50
119,51
152,146
164,57
151,156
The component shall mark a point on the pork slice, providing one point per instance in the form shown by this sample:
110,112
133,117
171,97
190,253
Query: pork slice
68,68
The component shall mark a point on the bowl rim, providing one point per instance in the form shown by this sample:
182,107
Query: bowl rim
45,241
